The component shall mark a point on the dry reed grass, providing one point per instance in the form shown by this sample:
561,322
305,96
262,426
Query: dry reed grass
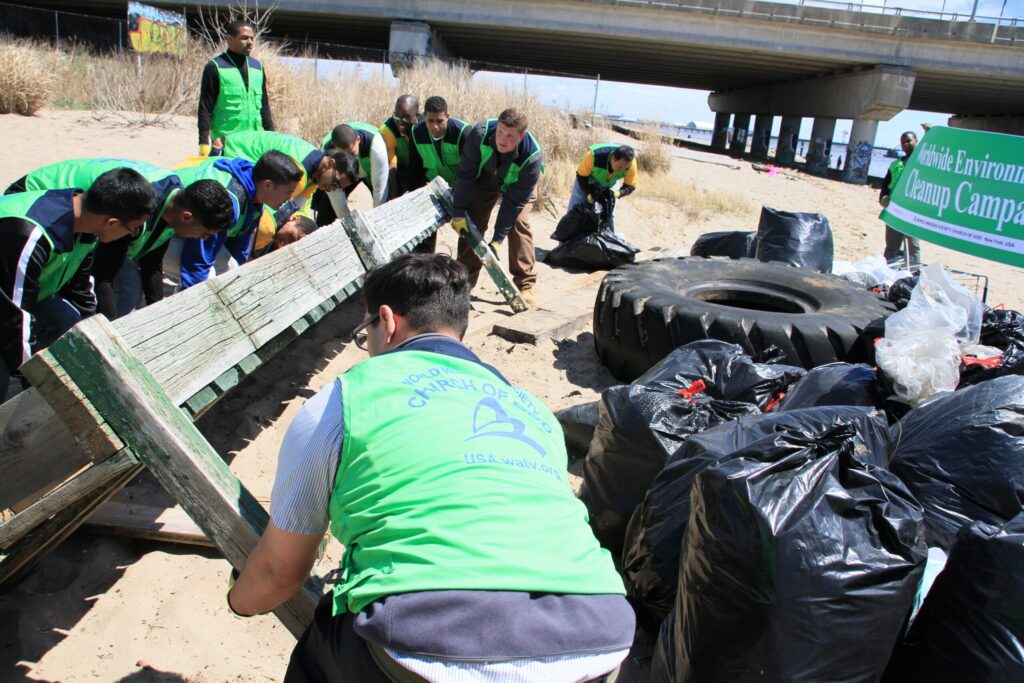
28,76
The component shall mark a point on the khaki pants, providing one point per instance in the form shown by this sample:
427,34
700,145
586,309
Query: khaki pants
521,257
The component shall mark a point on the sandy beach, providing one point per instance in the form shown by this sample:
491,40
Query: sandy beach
102,608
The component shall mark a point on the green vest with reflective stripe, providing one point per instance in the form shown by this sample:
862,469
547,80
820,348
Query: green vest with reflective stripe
451,479
895,171
401,143
237,108
82,173
526,150
60,267
447,163
601,174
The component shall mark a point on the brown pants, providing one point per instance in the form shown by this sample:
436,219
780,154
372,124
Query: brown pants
521,256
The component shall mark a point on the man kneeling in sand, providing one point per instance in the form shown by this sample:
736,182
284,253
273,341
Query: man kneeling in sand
467,553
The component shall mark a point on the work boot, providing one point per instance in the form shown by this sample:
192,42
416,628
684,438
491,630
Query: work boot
529,297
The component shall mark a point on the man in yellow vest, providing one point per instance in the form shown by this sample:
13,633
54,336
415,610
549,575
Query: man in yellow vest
899,248
233,92
467,556
397,133
605,167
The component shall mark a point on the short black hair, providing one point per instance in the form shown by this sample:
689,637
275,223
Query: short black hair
210,203
430,290
347,164
233,28
277,167
122,193
407,101
908,132
435,104
304,223
343,136
624,152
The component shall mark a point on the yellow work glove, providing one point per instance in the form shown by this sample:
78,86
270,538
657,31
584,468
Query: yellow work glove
615,193
461,226
590,199
493,246
204,150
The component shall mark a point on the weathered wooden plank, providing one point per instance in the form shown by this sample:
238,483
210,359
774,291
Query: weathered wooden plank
364,238
330,260
561,318
397,224
143,416
151,522
69,493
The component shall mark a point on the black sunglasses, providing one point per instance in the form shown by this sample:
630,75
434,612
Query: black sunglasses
359,334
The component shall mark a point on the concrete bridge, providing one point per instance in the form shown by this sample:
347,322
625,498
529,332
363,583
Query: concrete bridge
759,59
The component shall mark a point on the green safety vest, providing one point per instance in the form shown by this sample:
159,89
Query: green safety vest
206,170
447,163
82,173
603,163
254,144
61,266
527,149
401,143
237,108
366,133
895,171
440,458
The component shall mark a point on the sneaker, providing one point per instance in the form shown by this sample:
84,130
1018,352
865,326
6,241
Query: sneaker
530,297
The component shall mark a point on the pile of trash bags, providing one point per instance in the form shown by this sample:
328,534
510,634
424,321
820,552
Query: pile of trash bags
790,525
587,238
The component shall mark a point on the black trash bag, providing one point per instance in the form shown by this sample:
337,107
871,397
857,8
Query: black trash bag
834,384
899,291
578,423
602,250
641,424
582,220
663,659
727,372
971,625
1003,329
962,456
732,243
799,239
650,558
800,564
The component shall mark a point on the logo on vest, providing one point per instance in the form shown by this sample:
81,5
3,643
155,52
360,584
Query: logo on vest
491,420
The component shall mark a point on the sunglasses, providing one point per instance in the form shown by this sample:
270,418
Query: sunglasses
359,334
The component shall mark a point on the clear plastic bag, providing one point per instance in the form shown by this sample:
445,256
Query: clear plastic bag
938,305
919,365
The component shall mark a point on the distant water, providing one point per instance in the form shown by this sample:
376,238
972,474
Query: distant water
879,162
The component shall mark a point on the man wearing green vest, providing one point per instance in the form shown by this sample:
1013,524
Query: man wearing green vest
365,142
895,252
500,160
46,244
467,555
396,131
124,270
435,151
233,92
605,167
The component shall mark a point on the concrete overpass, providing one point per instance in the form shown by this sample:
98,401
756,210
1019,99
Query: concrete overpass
758,58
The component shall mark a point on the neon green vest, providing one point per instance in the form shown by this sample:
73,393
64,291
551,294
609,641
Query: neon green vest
60,267
252,145
440,460
602,163
237,108
401,143
528,149
447,163
895,171
364,147
82,173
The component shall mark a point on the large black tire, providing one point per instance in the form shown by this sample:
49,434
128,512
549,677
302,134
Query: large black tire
645,310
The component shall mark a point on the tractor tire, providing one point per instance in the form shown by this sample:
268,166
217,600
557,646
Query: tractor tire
645,310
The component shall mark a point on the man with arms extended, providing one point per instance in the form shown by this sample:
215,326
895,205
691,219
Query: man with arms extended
605,167
233,92
500,160
899,248
46,243
467,554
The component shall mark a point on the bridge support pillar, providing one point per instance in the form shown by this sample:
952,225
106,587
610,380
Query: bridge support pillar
859,151
819,152
740,131
789,131
412,40
720,135
762,137
1012,125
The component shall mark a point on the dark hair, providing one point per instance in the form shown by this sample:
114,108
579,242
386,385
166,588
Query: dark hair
435,104
122,193
347,164
624,152
513,118
430,290
233,28
407,101
306,224
343,136
910,133
277,167
210,203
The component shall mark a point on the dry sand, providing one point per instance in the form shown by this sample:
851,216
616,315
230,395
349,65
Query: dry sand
115,609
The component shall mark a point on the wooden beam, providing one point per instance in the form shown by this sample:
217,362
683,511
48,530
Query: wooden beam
98,362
